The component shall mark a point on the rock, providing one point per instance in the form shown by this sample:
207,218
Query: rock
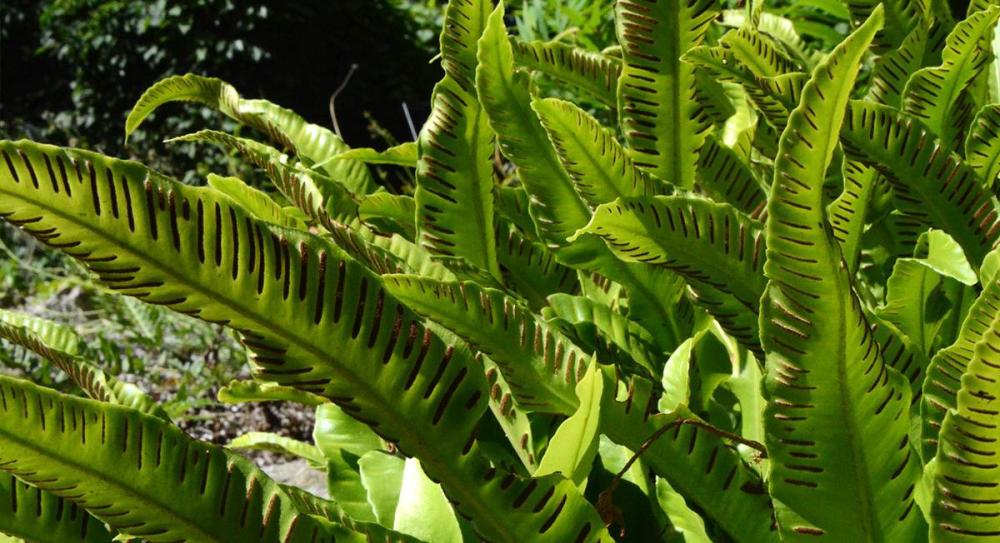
298,473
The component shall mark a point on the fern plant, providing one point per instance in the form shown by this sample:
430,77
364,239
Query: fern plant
763,306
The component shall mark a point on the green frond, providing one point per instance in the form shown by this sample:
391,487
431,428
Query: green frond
256,391
140,475
903,354
836,423
901,17
321,199
316,147
716,249
313,505
454,195
58,345
531,269
309,142
774,96
714,99
656,300
411,257
944,374
267,441
660,115
592,72
398,209
982,147
48,333
404,154
937,95
360,244
757,53
512,204
32,514
256,202
966,474
930,181
599,166
623,337
572,448
555,207
513,419
893,69
464,22
725,178
209,91
781,30
918,298
848,213
541,365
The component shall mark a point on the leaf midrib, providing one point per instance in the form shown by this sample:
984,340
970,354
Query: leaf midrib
824,241
844,286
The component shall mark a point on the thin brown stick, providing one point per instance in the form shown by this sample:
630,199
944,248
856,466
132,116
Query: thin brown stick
605,501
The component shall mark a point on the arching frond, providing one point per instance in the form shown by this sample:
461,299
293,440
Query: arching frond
312,317
311,143
937,95
57,344
142,476
929,180
593,72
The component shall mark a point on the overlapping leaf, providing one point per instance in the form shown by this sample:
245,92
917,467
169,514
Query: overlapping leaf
724,177
554,206
599,166
944,374
699,465
541,365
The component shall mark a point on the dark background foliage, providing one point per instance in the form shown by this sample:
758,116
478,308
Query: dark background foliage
71,69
